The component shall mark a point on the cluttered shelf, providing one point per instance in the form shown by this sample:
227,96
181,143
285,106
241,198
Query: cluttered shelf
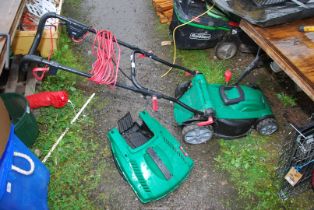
291,49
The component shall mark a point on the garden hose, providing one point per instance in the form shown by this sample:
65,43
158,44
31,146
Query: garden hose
174,40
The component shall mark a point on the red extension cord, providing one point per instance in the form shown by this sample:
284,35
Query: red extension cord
106,66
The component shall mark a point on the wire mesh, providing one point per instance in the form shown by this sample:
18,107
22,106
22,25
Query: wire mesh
298,152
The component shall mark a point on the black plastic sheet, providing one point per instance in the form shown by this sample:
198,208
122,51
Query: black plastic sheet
266,16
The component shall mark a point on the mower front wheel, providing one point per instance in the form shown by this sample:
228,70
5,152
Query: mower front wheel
267,126
194,134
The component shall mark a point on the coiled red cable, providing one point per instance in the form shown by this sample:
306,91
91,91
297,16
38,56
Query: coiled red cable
107,52
106,49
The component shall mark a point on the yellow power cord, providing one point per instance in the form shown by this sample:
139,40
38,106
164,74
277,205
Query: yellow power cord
174,39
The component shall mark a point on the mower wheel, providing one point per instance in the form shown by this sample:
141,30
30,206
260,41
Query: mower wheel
194,134
226,50
181,89
267,126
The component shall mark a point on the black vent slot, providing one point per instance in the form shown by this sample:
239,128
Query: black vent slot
134,134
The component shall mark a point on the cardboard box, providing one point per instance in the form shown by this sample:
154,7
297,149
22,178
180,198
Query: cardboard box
23,40
4,127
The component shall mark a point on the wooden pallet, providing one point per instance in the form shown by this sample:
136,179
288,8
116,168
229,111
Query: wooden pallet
164,10
17,82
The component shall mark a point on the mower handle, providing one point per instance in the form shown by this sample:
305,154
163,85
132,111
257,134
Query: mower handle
253,65
55,66
77,29
41,27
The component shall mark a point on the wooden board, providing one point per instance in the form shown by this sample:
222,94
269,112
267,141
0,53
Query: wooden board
292,50
17,82
163,10
10,15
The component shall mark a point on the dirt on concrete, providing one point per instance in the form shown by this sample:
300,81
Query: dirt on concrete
135,22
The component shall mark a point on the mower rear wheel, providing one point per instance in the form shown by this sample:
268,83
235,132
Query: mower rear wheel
226,50
267,126
181,89
194,134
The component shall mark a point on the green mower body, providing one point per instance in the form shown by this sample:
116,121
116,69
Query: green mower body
235,109
150,159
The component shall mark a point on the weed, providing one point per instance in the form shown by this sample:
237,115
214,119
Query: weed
199,60
288,101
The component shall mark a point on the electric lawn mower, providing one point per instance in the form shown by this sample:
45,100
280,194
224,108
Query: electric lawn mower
201,109
211,28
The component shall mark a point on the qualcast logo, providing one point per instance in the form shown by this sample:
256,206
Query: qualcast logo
200,36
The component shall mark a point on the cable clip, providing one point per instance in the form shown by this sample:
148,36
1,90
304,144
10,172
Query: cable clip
206,123
184,152
155,103
141,56
39,72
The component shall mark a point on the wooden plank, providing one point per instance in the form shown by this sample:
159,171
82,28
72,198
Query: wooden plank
156,2
12,82
292,50
168,14
10,14
30,84
164,6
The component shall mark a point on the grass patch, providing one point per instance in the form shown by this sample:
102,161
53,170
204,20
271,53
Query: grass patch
251,163
199,60
73,3
251,170
74,173
286,100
